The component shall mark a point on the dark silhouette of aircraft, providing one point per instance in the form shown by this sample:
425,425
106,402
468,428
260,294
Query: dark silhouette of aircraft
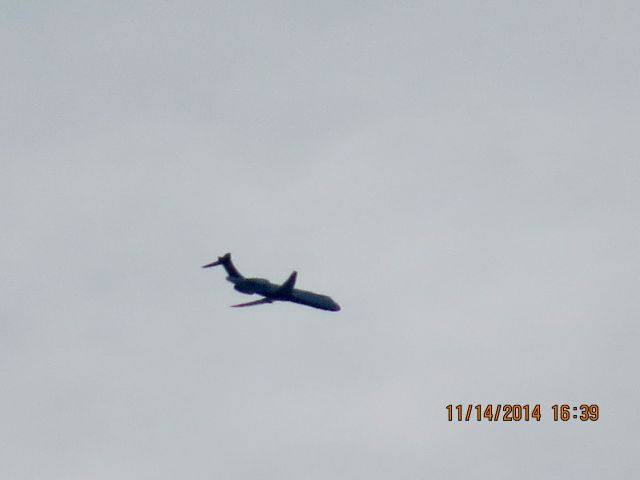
270,291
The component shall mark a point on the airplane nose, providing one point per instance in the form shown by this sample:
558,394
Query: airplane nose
335,307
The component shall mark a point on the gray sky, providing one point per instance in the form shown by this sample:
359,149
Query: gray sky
462,177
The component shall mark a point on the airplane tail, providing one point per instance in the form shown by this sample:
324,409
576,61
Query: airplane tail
228,265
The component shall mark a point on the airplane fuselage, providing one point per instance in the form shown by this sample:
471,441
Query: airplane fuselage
269,290
261,286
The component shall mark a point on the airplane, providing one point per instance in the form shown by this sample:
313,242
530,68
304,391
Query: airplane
271,291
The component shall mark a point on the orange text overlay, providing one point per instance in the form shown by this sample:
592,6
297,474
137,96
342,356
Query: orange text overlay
516,412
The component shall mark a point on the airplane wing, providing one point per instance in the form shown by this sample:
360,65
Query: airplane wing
287,287
255,302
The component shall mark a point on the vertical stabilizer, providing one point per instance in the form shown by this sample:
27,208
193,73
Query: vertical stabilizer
228,265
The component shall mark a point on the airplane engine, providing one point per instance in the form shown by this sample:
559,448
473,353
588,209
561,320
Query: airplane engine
244,288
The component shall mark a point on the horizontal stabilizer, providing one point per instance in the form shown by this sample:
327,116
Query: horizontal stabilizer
214,264
228,265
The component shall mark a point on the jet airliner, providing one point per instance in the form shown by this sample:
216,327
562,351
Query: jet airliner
271,291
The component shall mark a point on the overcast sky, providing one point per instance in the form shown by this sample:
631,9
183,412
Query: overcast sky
462,177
